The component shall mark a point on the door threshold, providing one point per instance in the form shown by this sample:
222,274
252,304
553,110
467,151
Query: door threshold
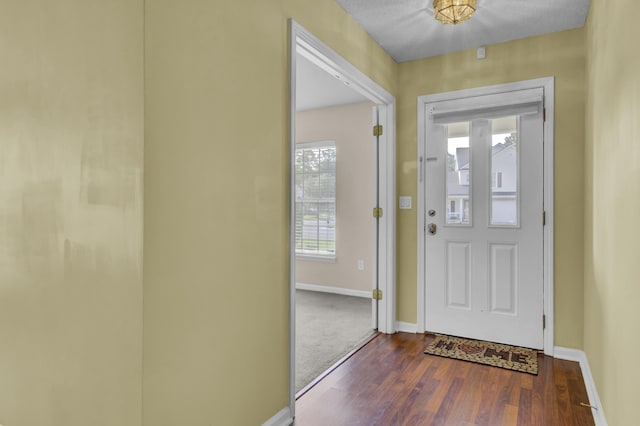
337,364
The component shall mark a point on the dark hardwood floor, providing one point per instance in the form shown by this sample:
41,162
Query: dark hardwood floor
392,382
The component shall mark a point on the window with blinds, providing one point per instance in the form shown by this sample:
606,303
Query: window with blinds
315,192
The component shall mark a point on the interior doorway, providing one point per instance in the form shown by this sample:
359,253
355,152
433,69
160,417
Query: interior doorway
334,180
322,158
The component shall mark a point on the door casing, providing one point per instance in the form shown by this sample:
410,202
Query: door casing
547,84
304,42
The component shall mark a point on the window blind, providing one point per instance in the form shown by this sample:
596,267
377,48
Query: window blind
488,106
315,192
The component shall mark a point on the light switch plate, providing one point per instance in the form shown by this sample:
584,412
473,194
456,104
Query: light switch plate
405,202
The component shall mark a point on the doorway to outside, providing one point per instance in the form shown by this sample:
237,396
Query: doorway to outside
342,210
486,214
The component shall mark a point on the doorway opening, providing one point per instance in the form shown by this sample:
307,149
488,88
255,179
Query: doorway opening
335,235
342,207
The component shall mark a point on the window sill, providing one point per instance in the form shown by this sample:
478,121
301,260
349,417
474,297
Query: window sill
316,258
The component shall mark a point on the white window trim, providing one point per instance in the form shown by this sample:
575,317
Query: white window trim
316,258
315,144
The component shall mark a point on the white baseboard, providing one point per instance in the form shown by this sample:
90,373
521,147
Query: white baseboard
333,290
281,418
581,358
406,327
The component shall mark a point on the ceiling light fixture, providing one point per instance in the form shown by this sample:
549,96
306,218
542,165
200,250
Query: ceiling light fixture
453,11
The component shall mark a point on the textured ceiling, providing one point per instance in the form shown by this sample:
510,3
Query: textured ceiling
407,30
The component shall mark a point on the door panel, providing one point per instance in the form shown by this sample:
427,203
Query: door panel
458,285
503,278
484,248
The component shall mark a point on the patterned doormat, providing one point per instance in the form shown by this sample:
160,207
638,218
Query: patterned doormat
495,354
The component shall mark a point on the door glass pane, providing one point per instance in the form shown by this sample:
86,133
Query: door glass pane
458,180
505,147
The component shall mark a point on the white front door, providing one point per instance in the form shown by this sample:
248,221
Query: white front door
484,218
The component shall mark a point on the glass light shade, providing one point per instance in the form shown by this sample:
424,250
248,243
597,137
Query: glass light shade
454,11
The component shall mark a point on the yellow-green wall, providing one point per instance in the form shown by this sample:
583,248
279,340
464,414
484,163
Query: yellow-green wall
612,205
71,141
216,191
216,322
559,54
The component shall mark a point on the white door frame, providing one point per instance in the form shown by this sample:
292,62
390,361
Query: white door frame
547,84
305,43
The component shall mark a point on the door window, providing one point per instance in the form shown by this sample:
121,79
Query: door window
458,170
504,159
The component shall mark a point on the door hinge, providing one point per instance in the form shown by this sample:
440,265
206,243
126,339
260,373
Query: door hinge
377,130
544,218
544,321
377,294
377,212
544,114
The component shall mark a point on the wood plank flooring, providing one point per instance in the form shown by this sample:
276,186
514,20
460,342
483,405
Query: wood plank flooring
392,382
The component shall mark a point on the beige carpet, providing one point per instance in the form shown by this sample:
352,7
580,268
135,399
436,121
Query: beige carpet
328,326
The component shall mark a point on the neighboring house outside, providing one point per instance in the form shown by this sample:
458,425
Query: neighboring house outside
458,187
504,184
